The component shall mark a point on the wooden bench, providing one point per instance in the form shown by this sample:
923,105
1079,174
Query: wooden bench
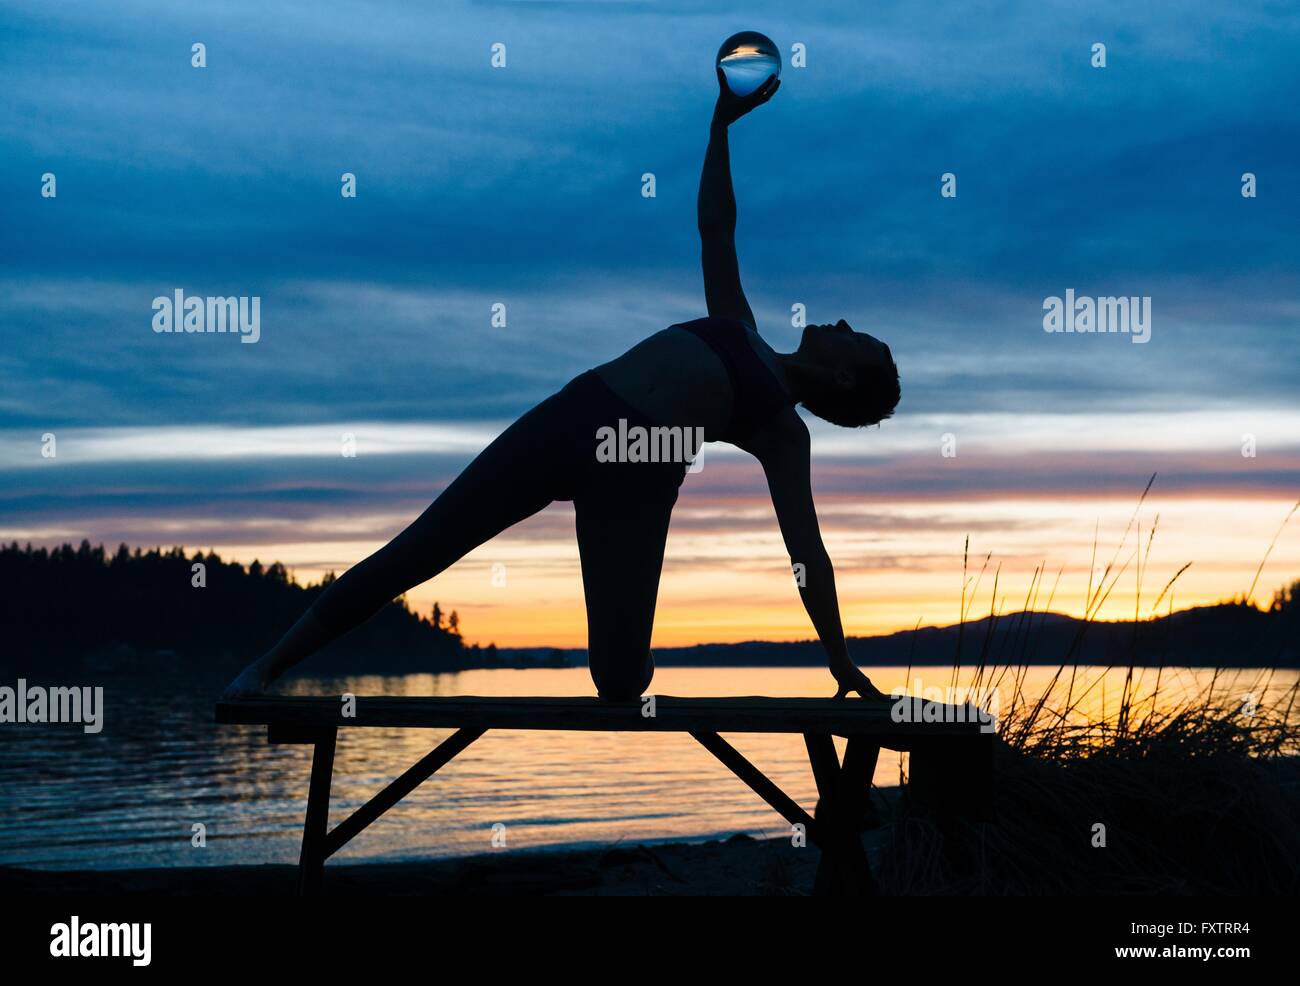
951,760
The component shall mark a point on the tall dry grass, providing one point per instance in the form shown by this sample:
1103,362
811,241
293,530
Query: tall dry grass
1162,790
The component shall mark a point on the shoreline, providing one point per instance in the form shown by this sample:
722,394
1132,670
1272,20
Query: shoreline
738,866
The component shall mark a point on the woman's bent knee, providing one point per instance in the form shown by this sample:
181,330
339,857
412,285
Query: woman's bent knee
619,677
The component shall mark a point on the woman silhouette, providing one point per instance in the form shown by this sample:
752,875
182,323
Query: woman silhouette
714,374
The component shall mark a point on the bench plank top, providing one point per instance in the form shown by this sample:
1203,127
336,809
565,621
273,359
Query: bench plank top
749,714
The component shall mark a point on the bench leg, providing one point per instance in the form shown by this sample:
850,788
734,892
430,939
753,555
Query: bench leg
758,782
842,806
312,860
951,779
951,785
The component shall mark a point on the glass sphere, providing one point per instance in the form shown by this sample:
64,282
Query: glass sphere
747,59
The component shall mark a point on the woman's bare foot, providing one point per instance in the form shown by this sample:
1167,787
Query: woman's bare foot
250,682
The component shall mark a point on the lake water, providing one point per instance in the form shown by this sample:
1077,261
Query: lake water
130,795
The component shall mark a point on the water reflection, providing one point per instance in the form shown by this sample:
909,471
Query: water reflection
131,795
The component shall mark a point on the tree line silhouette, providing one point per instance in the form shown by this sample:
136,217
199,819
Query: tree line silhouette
140,607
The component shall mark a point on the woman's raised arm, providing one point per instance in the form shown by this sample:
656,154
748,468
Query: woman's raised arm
716,205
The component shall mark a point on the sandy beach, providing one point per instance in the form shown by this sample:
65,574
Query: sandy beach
738,866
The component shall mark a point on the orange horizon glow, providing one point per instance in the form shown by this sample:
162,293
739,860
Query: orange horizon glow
900,567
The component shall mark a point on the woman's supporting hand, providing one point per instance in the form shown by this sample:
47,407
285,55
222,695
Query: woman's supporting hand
850,679
731,107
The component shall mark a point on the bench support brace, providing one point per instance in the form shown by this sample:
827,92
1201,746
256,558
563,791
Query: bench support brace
843,791
318,844
758,782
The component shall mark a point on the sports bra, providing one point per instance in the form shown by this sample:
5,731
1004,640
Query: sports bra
756,394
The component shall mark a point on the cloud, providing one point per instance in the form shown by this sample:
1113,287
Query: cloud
522,187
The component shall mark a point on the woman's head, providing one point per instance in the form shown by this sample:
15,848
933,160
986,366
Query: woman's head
846,377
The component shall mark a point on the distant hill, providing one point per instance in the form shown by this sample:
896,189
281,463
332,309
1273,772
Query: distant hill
142,609
1226,635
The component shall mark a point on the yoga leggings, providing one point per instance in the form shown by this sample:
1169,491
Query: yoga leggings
622,512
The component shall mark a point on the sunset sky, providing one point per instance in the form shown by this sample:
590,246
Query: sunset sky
522,186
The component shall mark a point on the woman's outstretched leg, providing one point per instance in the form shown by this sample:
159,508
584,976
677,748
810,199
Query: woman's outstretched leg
511,479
